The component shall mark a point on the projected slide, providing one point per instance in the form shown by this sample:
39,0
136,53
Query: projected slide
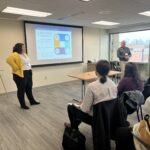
51,44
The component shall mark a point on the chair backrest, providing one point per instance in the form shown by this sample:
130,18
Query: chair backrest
107,117
131,100
115,65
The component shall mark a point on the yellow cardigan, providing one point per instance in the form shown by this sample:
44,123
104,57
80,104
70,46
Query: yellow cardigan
16,64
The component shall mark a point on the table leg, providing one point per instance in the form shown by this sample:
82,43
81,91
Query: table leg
83,89
3,84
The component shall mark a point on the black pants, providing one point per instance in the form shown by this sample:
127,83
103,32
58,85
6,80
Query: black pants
77,116
124,139
24,85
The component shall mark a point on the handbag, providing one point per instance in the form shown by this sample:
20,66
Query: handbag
141,133
73,139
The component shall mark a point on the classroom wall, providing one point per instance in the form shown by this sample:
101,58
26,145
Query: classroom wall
130,28
12,31
104,46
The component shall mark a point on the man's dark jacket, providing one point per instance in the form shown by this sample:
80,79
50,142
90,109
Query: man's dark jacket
107,117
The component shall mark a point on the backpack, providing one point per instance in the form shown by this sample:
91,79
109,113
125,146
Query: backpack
73,139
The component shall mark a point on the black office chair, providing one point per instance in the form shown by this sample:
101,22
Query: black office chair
115,65
133,101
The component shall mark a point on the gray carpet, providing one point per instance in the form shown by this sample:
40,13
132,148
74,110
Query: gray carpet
41,127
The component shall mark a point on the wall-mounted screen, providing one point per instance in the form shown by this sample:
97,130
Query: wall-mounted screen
51,44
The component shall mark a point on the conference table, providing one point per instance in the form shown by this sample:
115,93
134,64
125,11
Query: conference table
90,76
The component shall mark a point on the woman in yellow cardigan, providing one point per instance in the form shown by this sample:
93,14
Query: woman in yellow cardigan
22,74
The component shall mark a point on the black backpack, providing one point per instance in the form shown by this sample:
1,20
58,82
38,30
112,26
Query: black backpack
73,139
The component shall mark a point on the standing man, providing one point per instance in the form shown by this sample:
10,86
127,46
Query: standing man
123,53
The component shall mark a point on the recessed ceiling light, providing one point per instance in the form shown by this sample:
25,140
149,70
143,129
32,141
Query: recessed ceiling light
85,0
105,23
145,13
27,12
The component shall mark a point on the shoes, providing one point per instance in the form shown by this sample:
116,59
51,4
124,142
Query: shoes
35,103
67,124
25,107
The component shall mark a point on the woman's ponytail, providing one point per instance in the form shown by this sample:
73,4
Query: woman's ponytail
103,79
103,67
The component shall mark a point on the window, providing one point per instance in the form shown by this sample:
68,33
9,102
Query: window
139,44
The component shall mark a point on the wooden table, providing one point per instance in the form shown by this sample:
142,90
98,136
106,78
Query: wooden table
89,76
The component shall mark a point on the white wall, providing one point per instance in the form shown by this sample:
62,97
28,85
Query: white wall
12,31
104,46
91,43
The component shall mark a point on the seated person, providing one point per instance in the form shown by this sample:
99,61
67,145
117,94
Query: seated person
124,136
102,89
131,80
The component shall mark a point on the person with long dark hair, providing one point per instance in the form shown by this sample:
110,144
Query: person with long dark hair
103,89
124,54
131,80
22,74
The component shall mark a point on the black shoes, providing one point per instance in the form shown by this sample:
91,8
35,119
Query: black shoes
31,103
34,103
24,107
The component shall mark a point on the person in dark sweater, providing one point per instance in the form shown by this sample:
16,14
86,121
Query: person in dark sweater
131,80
